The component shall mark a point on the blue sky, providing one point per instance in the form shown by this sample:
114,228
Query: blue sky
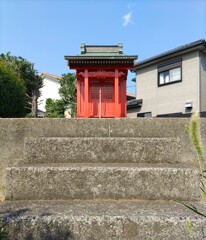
44,31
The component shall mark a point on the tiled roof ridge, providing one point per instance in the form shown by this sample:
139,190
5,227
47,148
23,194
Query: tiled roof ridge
105,46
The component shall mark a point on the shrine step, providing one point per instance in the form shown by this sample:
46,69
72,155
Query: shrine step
82,150
126,220
102,181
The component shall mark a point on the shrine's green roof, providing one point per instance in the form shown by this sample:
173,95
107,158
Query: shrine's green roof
101,55
101,50
98,51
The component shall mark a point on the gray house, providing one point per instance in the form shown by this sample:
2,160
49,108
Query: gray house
171,84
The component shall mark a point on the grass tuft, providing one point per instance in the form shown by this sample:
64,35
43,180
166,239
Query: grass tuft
193,129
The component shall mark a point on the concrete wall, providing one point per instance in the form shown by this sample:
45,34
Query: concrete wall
14,131
202,82
169,98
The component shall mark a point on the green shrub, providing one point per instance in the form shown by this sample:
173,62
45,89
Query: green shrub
54,108
12,93
68,91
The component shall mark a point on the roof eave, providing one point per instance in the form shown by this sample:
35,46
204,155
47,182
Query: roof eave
132,57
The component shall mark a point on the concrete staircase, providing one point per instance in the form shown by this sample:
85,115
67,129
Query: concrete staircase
102,187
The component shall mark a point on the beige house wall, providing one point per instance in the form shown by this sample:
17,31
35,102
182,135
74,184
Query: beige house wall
202,82
169,98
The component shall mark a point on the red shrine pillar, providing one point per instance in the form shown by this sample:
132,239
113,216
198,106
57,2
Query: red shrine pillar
116,92
86,93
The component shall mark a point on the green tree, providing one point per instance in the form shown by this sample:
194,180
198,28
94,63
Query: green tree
68,91
54,108
12,93
26,72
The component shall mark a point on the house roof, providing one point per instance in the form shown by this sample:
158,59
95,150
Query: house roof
134,103
50,75
197,45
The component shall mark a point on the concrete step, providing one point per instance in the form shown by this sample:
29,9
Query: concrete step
127,220
113,150
102,181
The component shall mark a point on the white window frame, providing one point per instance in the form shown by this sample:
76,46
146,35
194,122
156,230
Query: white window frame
169,72
168,76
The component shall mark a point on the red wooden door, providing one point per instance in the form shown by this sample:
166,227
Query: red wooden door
107,96
101,98
94,98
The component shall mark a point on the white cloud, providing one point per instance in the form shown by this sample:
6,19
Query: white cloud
127,19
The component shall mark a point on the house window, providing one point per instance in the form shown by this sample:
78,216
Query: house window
170,72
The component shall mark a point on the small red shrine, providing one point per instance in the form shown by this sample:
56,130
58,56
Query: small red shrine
101,73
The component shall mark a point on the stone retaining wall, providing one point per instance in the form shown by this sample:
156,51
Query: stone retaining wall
14,131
